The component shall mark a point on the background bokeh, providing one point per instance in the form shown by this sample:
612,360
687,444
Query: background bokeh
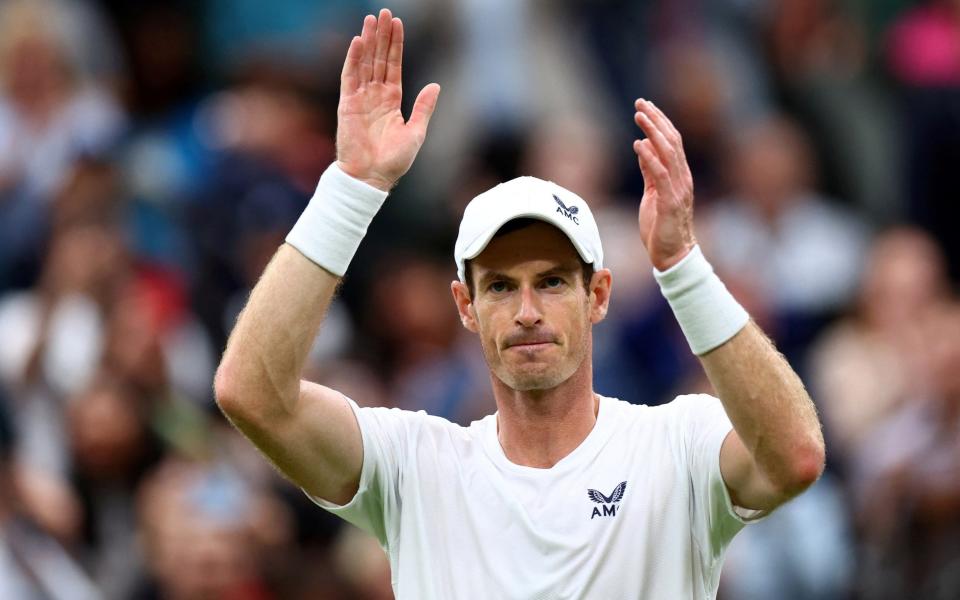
153,155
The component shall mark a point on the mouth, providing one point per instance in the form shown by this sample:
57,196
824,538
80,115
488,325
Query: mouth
531,345
530,340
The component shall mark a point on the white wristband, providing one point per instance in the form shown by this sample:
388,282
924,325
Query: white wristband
707,312
336,219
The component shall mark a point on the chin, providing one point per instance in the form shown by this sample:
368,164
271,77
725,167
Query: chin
531,381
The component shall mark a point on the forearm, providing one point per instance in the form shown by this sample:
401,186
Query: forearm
309,431
267,350
269,344
778,449
769,408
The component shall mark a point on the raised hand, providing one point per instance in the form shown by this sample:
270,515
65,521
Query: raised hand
666,211
374,144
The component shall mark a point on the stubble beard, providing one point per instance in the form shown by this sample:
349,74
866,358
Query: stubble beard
535,377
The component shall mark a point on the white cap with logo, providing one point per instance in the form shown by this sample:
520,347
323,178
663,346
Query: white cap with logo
530,198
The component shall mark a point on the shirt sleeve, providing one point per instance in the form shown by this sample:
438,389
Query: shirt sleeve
704,426
375,508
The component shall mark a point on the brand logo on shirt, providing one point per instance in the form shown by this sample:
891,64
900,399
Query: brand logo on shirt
569,212
609,503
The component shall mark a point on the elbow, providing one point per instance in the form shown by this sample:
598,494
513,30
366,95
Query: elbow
224,390
243,397
804,468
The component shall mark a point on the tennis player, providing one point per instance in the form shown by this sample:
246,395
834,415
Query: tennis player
562,493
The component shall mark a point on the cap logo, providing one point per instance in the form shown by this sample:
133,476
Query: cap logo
569,212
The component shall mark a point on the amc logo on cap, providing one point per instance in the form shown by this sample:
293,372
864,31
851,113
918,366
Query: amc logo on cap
569,212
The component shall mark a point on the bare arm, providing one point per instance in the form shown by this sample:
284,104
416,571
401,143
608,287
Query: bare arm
776,449
309,431
306,430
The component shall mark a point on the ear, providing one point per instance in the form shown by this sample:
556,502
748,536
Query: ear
600,287
461,296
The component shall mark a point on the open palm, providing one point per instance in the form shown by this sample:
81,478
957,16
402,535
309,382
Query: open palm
666,211
374,143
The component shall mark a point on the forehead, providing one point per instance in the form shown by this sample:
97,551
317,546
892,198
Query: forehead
538,243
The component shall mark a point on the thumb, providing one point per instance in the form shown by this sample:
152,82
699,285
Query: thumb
423,109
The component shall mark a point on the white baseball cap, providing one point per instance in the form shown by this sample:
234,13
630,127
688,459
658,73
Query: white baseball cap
530,198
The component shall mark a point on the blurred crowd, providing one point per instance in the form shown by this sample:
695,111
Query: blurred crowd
154,153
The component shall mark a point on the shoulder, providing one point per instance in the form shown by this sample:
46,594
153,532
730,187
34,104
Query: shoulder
686,402
691,409
638,422
416,423
679,408
688,416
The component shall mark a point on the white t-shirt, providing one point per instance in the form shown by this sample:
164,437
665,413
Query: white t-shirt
638,510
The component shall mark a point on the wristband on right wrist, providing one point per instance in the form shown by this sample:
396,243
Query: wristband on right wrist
334,222
707,312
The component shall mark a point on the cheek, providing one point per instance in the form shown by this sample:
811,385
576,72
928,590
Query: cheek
579,325
483,323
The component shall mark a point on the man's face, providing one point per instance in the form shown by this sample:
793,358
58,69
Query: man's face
530,307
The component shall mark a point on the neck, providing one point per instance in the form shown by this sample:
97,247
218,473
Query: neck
537,428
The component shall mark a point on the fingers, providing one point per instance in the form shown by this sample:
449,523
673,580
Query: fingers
654,172
368,45
423,109
378,55
667,140
395,55
350,76
666,151
384,28
663,122
669,126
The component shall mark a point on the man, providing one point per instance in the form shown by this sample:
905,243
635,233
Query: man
562,493
33,564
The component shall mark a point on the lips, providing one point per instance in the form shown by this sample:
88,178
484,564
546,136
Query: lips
531,345
530,342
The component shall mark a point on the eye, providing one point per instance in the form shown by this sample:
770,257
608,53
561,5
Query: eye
498,287
553,282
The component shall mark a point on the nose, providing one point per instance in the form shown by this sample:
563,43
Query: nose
529,313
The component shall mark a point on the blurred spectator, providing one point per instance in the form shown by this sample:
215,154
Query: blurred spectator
93,307
906,487
817,564
776,235
708,95
504,64
153,340
819,57
54,336
431,362
866,365
165,72
207,533
700,59
923,54
32,563
51,112
112,445
270,145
